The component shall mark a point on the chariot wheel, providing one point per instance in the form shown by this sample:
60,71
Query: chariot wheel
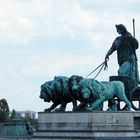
135,98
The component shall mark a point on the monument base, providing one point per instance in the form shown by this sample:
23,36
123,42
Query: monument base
88,125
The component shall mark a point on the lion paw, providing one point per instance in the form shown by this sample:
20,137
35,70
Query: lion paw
47,110
59,110
89,109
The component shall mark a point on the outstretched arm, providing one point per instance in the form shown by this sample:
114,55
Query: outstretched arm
114,47
109,53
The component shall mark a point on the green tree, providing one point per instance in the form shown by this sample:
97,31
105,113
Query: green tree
4,110
13,114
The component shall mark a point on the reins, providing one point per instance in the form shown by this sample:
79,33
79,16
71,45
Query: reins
102,65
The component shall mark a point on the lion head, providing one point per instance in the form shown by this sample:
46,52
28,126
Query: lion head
45,92
89,89
74,84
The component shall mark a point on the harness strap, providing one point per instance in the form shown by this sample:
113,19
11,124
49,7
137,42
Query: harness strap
102,65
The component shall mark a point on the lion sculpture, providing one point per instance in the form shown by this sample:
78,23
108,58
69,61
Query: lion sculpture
89,92
58,92
94,92
74,81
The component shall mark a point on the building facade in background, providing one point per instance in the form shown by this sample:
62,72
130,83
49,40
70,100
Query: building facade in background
26,114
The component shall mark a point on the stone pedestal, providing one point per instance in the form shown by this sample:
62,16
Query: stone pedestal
88,125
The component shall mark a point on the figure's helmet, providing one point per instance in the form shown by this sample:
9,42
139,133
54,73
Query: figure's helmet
121,27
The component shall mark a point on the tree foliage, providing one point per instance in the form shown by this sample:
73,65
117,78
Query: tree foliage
4,110
13,114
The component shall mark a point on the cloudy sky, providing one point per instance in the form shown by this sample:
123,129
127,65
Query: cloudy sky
43,38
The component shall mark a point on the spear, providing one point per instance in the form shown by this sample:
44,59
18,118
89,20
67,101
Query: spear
136,73
134,27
